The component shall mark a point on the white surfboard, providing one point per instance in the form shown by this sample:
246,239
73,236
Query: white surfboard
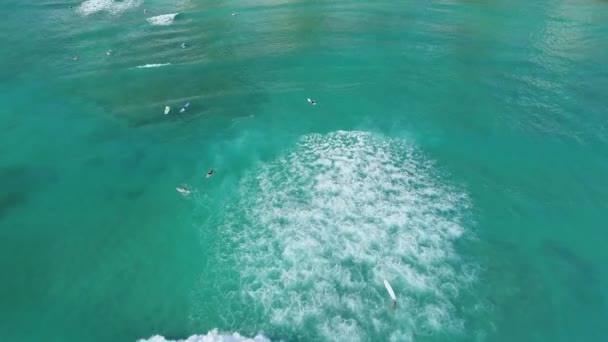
167,110
389,288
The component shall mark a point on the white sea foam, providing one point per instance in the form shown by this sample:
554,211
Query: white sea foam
165,19
158,65
212,336
111,6
332,218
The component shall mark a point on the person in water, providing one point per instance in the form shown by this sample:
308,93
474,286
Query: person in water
312,102
109,53
394,304
185,107
210,173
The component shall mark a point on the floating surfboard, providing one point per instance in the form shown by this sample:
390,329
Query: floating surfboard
167,110
389,288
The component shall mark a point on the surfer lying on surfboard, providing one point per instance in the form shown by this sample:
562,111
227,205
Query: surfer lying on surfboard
210,173
183,190
185,107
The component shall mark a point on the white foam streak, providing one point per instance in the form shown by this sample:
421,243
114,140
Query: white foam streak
152,65
333,218
162,20
111,6
212,336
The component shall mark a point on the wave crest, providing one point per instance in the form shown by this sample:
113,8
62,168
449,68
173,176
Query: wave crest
156,65
162,20
111,6
212,336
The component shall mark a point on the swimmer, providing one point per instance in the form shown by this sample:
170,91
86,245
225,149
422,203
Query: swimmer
394,304
145,11
183,190
311,101
210,173
109,53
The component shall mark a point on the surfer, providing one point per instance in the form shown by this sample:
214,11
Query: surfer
109,53
391,293
75,58
183,190
145,11
311,101
184,45
185,107
210,173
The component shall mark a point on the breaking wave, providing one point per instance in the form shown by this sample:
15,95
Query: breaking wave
212,336
111,6
162,20
157,65
332,218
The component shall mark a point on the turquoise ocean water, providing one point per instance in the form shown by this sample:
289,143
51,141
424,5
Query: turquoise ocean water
458,149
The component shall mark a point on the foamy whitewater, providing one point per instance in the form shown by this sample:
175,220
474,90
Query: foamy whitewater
332,218
162,20
212,336
111,6
475,182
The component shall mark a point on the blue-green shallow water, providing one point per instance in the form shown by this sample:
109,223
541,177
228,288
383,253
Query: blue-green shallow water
459,149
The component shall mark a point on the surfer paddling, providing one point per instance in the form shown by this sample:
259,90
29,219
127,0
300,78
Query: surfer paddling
185,107
210,173
182,190
311,101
